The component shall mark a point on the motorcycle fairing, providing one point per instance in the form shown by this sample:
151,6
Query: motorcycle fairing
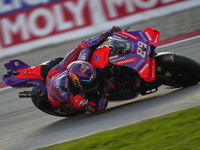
153,36
100,57
15,64
143,43
129,35
30,73
21,75
147,72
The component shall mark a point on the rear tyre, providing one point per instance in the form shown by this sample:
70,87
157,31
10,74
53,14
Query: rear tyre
182,72
44,105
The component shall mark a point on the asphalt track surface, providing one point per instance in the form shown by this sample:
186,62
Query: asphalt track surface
24,127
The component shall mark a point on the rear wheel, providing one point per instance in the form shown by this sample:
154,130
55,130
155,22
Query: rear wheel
44,105
182,72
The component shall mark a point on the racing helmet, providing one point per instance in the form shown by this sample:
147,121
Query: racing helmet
83,75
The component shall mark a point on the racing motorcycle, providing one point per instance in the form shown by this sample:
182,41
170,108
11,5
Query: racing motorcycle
129,55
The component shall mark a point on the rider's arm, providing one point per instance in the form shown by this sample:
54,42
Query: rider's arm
80,101
85,104
87,47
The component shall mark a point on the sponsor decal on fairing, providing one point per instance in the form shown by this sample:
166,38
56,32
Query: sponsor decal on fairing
126,61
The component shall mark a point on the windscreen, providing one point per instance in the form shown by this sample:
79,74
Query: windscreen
120,45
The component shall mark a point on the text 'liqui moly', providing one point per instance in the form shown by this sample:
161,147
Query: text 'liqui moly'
26,20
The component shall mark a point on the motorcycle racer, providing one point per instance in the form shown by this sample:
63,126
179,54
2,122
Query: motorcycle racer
69,82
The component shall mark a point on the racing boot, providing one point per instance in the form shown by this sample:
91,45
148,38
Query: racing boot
103,102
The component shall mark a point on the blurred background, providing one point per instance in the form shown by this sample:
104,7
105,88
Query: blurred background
37,31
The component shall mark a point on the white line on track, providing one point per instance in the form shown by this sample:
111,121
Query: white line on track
5,88
177,42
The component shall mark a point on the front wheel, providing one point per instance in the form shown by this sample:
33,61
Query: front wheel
182,72
44,105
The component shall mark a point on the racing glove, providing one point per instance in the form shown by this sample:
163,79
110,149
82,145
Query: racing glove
113,30
90,106
83,103
110,32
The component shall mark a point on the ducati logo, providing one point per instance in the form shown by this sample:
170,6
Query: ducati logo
17,64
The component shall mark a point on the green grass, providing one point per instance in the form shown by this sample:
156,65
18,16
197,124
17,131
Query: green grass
177,131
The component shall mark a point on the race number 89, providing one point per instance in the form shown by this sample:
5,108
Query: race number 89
141,53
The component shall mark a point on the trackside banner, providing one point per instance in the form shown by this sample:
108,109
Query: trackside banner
29,24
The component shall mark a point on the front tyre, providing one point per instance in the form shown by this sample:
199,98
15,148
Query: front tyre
42,103
181,72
